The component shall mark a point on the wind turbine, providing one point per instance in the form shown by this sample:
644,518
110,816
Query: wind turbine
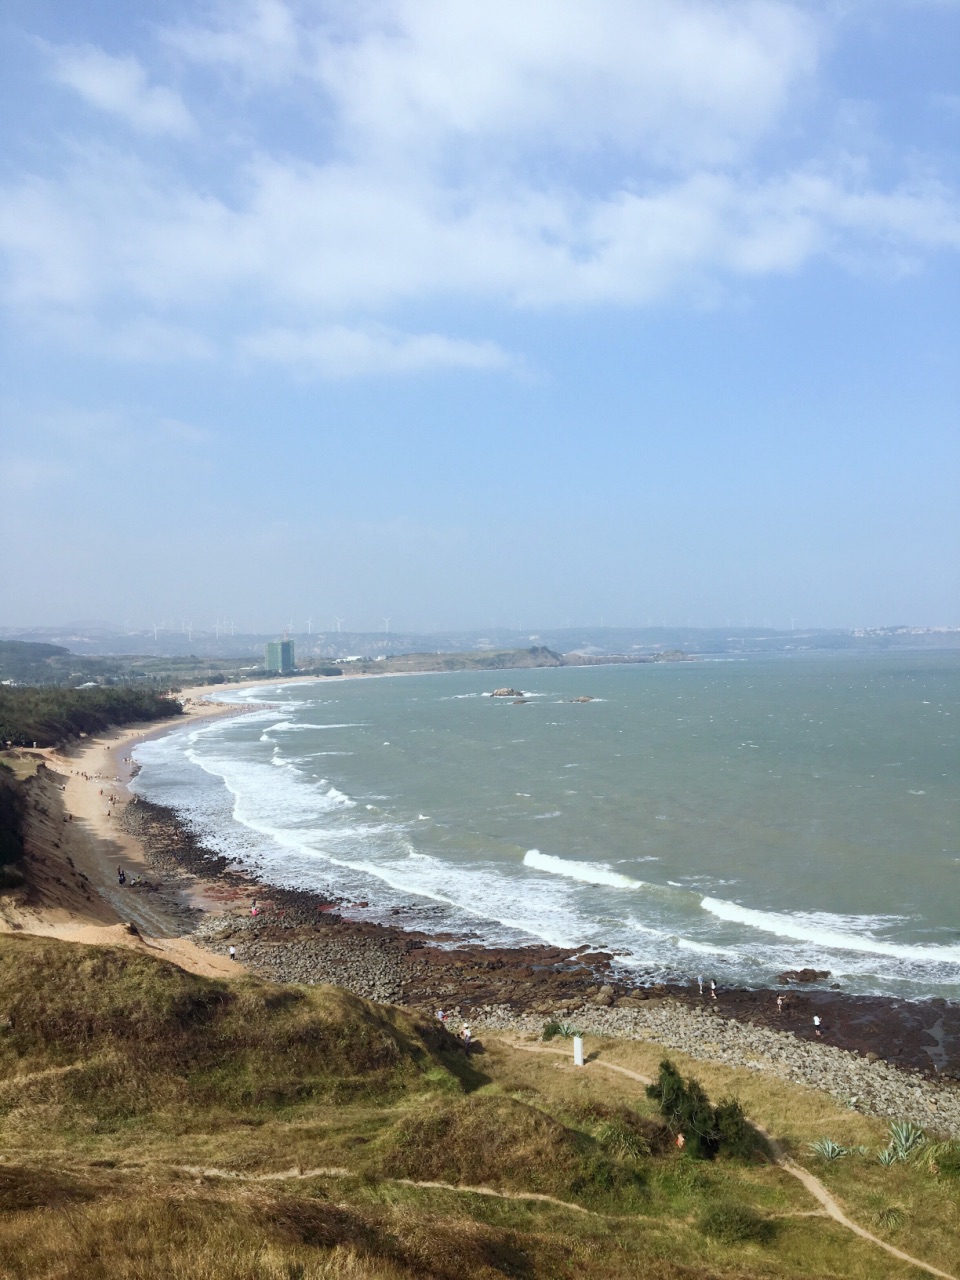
309,626
337,621
386,625
154,633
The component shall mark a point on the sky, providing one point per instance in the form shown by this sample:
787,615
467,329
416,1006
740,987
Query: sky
469,314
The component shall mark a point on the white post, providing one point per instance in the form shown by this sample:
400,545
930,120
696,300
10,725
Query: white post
578,1051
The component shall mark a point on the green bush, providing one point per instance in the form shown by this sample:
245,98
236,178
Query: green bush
686,1109
736,1224
734,1134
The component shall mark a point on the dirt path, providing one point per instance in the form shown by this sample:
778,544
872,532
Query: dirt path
287,1175
812,1184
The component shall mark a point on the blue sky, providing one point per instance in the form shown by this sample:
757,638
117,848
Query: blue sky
480,313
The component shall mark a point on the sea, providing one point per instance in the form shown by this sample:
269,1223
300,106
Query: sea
732,818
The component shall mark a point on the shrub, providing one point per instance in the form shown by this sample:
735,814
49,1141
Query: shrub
941,1158
706,1130
890,1219
736,1224
734,1134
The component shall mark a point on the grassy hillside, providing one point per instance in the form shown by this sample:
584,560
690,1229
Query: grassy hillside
158,1124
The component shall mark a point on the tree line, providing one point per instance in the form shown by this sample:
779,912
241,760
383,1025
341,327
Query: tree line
49,716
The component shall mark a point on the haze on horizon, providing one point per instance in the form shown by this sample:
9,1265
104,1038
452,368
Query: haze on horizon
634,311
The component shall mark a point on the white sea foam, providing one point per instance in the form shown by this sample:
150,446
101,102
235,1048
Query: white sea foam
821,930
586,872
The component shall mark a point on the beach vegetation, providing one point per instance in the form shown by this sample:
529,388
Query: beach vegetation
48,716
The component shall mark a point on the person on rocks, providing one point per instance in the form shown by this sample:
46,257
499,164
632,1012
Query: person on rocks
441,1017
713,989
233,953
816,1024
121,876
700,982
466,1038
779,1003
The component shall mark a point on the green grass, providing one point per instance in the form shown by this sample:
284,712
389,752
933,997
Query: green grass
126,1084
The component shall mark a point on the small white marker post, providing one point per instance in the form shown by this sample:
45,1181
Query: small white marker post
578,1051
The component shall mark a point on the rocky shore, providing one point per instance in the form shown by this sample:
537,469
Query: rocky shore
886,1057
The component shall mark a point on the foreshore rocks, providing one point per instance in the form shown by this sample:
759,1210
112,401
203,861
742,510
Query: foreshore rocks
507,693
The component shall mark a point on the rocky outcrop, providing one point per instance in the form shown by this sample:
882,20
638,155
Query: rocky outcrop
804,975
507,693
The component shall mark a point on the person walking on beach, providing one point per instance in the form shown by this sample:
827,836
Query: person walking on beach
816,1024
700,982
121,877
713,990
779,1003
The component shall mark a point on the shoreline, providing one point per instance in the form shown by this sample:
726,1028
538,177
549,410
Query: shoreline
202,907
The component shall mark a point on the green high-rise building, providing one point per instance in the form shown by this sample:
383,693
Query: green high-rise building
279,656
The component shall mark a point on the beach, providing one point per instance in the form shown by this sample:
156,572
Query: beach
880,1055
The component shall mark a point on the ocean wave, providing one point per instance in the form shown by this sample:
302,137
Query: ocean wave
586,872
822,931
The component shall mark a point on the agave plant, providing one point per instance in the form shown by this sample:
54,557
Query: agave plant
567,1030
827,1149
906,1138
887,1156
562,1029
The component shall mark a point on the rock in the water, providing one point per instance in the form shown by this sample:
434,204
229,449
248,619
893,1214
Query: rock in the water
507,693
804,975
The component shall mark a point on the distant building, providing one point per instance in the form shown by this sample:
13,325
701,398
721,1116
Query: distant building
279,656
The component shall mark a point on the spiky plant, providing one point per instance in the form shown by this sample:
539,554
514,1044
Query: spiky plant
906,1138
827,1149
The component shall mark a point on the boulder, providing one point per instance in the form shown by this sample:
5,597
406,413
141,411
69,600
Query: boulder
507,693
804,975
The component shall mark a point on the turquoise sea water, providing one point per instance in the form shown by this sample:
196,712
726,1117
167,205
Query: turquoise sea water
733,818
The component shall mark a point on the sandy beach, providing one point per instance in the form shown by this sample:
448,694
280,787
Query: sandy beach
183,904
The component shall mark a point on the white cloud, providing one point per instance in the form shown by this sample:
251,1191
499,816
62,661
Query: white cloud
337,351
119,86
535,156
259,38
686,81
